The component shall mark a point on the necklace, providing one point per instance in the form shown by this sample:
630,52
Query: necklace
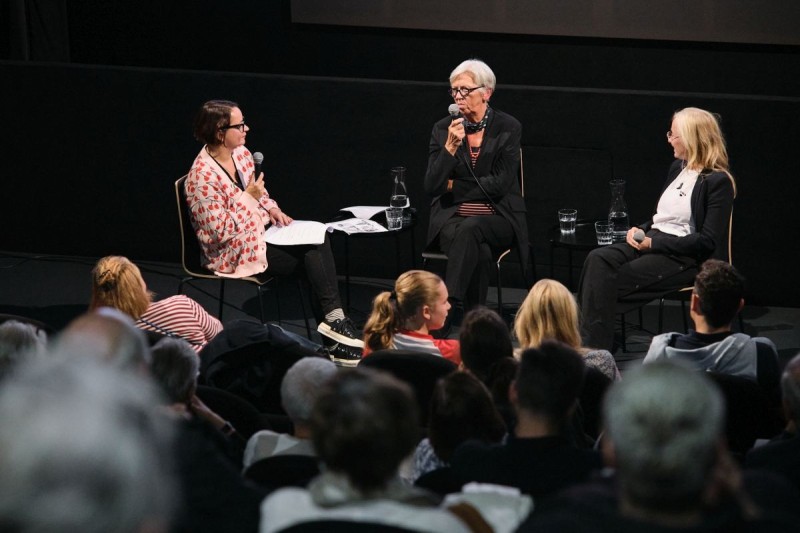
236,171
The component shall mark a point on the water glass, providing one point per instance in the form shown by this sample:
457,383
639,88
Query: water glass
566,220
605,232
394,218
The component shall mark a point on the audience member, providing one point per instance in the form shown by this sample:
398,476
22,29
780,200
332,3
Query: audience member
106,334
717,298
299,389
782,454
364,423
19,341
404,318
673,472
550,311
82,449
537,457
215,497
461,410
488,353
118,283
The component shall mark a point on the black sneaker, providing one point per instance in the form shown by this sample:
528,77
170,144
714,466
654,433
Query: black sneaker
343,355
342,331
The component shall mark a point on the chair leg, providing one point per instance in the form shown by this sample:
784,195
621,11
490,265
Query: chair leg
624,333
499,292
303,307
221,298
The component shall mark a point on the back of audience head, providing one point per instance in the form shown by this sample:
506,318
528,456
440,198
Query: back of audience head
82,449
19,341
106,334
484,339
548,382
461,409
549,311
664,424
174,368
720,290
364,423
790,390
301,384
118,283
390,310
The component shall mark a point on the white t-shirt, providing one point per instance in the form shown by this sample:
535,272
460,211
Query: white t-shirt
674,211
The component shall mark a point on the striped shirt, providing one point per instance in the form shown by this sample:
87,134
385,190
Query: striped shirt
471,209
180,316
450,349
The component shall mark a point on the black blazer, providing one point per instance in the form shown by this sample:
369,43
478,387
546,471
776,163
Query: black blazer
712,205
497,169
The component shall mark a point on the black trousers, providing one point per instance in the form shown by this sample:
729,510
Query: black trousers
471,244
315,264
618,278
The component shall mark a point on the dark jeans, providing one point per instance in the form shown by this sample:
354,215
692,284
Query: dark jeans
471,244
316,263
618,278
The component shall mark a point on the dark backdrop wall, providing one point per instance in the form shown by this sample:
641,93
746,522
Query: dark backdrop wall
98,142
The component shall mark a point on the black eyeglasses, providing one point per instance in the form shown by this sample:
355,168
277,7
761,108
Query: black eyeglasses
240,126
463,91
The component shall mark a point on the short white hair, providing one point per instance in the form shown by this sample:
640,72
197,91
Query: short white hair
790,388
479,71
83,448
664,421
301,385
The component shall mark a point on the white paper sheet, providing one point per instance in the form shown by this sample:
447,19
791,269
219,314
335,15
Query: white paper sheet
365,211
298,232
357,225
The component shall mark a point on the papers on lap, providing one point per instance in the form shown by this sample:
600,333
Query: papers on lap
298,232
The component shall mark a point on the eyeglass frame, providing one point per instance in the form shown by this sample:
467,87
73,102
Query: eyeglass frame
452,91
240,126
670,135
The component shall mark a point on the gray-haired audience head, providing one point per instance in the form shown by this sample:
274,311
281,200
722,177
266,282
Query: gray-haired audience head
106,334
82,449
664,421
174,368
19,341
301,385
363,425
790,389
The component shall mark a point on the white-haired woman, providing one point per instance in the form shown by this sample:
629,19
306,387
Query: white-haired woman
472,176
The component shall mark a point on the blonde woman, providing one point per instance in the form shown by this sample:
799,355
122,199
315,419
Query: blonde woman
691,224
118,283
404,318
550,312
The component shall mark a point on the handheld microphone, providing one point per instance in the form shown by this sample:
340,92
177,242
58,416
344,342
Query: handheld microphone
453,110
258,158
638,235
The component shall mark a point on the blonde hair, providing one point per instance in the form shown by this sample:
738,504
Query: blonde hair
118,283
548,312
412,290
703,140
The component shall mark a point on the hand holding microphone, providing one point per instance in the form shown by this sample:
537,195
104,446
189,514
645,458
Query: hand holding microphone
256,187
640,240
455,132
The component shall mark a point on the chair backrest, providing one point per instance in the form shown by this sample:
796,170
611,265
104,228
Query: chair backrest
190,247
418,369
283,471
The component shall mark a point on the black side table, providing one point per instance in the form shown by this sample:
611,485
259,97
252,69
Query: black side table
409,223
584,240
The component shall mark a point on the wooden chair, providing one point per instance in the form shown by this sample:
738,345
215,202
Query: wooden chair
191,261
432,254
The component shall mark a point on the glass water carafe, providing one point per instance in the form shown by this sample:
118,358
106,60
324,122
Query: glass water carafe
618,212
399,196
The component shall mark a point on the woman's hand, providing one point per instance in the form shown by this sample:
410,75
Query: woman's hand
256,187
455,136
646,244
279,218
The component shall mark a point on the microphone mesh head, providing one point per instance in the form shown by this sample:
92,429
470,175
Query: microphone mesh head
258,158
453,110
